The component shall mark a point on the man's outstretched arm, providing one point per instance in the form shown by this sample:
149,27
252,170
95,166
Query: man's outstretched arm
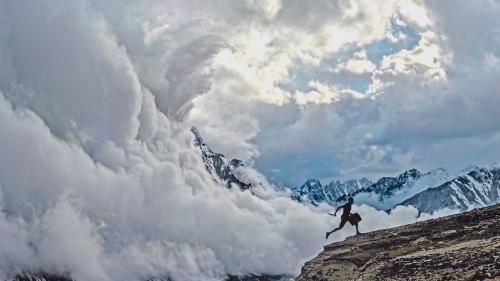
335,214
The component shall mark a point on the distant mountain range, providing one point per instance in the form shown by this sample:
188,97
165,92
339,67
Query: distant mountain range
477,188
428,192
313,191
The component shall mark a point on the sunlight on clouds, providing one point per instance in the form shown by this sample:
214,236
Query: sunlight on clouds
415,12
425,62
359,64
258,83
323,94
427,58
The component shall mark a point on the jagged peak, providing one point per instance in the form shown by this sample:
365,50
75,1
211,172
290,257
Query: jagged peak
468,169
413,173
362,181
218,165
335,182
473,171
312,182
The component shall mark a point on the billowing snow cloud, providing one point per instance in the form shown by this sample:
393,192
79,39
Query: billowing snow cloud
99,176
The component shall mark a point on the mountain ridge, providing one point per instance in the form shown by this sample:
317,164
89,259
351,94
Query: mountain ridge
464,246
479,187
222,170
428,192
313,191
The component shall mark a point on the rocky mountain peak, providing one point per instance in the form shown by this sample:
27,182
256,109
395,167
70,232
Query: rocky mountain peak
312,183
222,169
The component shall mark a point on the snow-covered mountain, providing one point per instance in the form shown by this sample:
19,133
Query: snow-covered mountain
382,194
389,191
477,188
223,170
387,186
313,191
336,189
428,192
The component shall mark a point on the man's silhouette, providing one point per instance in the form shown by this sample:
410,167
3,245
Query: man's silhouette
346,217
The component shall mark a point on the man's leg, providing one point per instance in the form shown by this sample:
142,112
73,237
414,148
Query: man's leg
342,223
357,231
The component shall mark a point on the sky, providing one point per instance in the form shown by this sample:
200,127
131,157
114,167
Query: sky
99,176
350,89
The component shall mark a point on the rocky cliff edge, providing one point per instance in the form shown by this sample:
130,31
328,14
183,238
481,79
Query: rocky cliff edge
465,246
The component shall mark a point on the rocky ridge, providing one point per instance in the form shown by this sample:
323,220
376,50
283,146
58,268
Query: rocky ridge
465,246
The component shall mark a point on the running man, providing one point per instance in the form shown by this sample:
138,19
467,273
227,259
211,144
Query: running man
353,219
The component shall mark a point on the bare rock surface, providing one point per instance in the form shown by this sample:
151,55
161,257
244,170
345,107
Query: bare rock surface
465,246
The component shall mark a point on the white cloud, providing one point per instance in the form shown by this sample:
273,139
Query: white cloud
415,13
68,242
358,65
323,94
426,60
